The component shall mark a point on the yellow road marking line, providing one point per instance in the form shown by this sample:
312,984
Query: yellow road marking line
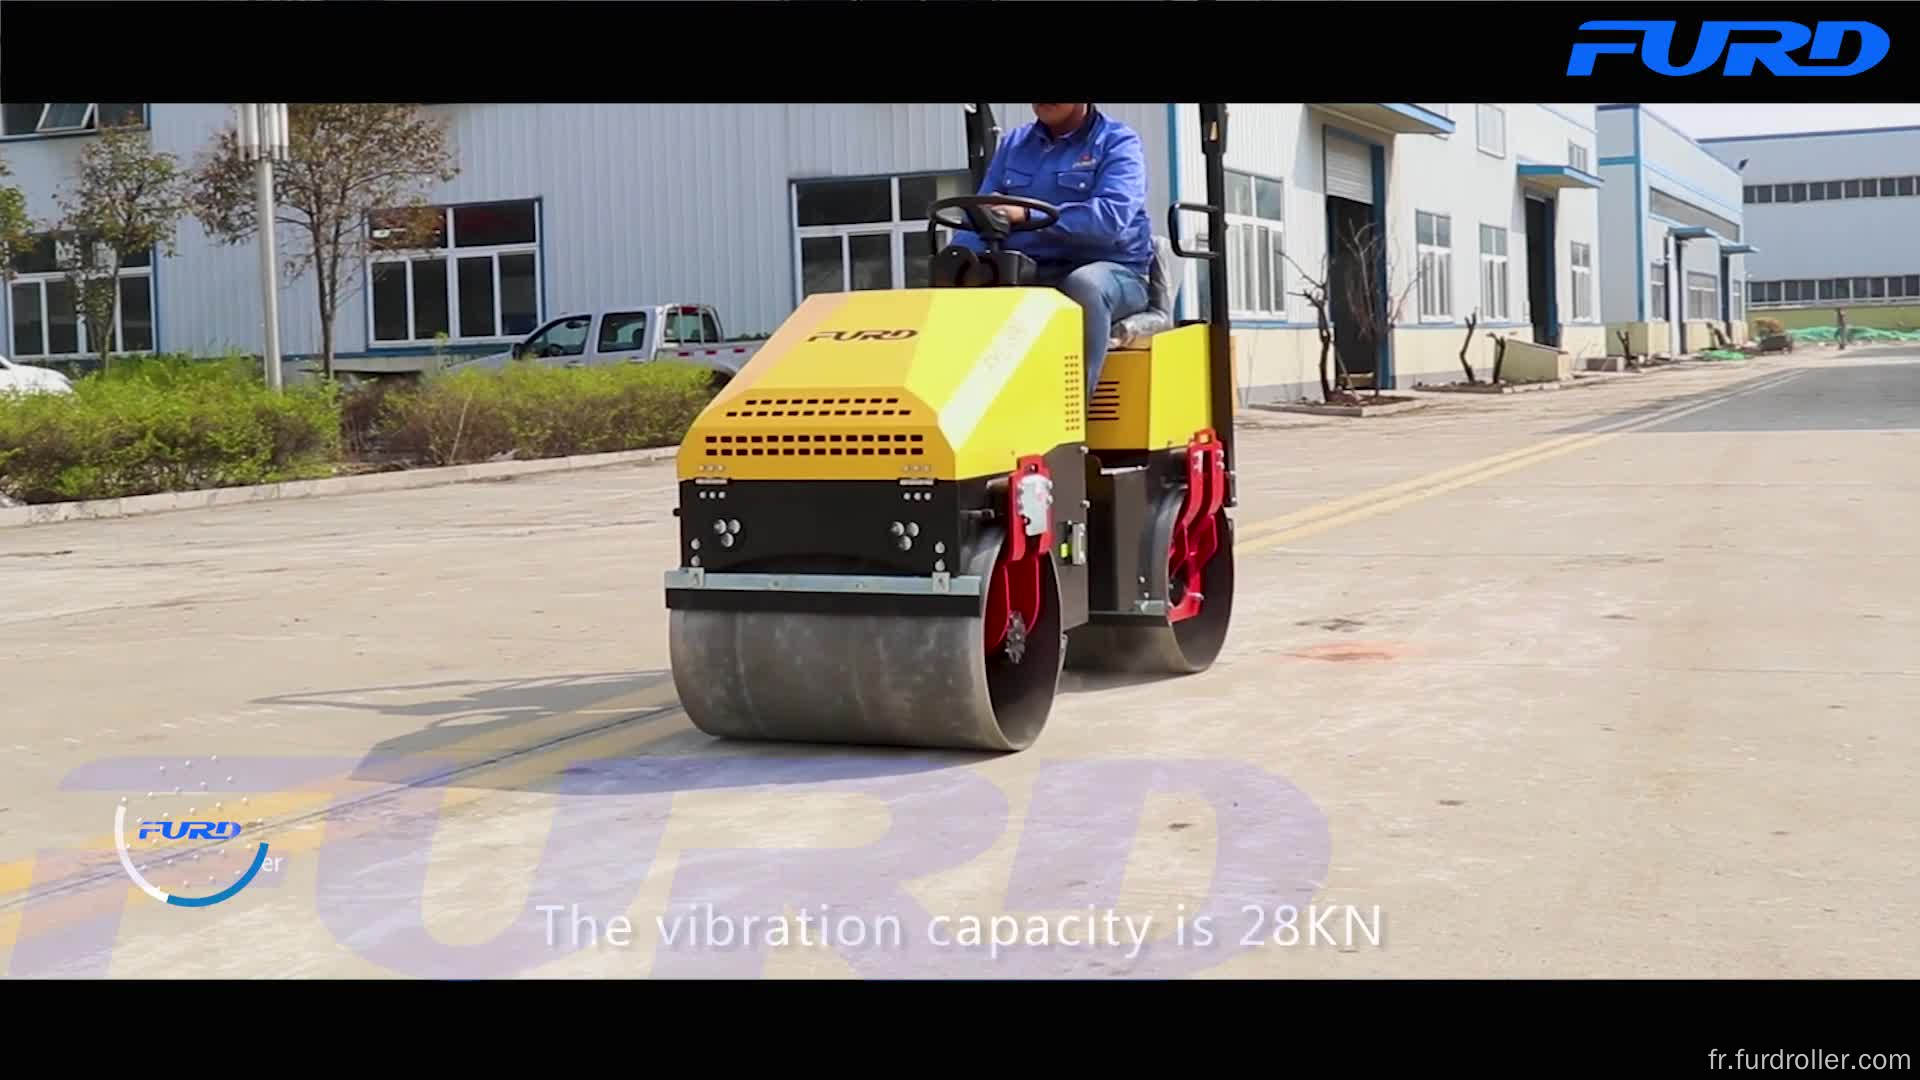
503,775
1452,479
17,876
1339,507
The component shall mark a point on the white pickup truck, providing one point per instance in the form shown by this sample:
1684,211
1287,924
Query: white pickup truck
689,333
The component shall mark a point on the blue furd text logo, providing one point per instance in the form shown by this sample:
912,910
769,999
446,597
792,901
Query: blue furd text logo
1742,57
182,830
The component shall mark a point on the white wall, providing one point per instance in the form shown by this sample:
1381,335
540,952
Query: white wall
1682,168
639,203
1847,238
658,202
1646,154
1620,255
1441,174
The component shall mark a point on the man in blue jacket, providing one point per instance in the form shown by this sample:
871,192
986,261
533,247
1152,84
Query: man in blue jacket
1094,169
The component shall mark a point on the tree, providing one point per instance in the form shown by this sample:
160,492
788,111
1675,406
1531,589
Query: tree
16,229
127,199
1314,291
348,164
1371,308
1473,319
1364,306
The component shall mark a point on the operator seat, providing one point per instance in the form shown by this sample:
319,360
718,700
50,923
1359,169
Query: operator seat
1163,288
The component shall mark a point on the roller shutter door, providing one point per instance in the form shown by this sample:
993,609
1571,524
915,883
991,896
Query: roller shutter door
1349,169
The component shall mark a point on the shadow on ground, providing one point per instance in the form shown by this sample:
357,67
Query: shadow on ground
647,747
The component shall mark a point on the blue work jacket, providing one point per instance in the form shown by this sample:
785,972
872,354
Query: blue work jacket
1096,175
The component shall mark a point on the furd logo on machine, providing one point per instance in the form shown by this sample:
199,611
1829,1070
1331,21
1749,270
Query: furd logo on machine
864,335
1823,43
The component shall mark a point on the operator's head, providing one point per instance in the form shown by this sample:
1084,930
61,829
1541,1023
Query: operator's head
1060,117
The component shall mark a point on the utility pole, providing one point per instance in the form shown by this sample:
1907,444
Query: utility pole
262,134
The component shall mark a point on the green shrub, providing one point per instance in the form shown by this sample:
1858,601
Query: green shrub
538,411
168,424
169,370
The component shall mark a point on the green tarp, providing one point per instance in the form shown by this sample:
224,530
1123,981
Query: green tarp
1827,335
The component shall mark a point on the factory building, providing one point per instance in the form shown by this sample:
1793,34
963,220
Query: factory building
1835,216
1673,269
1488,211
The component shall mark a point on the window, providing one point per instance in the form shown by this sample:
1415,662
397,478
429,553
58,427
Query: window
30,118
1582,281
690,326
1852,188
1657,302
1703,296
1493,273
1913,284
1491,129
1782,192
1793,292
46,320
869,232
1905,185
1577,156
1799,193
622,331
471,272
1825,288
1434,240
1835,189
1816,191
1763,193
1843,288
1256,217
566,336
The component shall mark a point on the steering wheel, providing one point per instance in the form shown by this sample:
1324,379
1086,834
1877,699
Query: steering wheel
979,221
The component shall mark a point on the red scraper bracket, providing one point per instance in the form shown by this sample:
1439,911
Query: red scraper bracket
1196,536
1015,589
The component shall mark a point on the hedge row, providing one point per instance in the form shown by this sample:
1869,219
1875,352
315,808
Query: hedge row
178,424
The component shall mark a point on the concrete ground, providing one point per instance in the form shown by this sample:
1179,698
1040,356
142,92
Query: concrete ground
1609,681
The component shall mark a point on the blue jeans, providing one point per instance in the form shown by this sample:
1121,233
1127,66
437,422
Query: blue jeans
1107,292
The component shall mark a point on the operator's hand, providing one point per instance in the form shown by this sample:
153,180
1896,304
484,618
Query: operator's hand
1015,215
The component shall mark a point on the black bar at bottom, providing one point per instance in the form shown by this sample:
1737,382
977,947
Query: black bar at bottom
823,603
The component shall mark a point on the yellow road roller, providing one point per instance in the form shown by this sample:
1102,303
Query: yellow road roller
905,517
